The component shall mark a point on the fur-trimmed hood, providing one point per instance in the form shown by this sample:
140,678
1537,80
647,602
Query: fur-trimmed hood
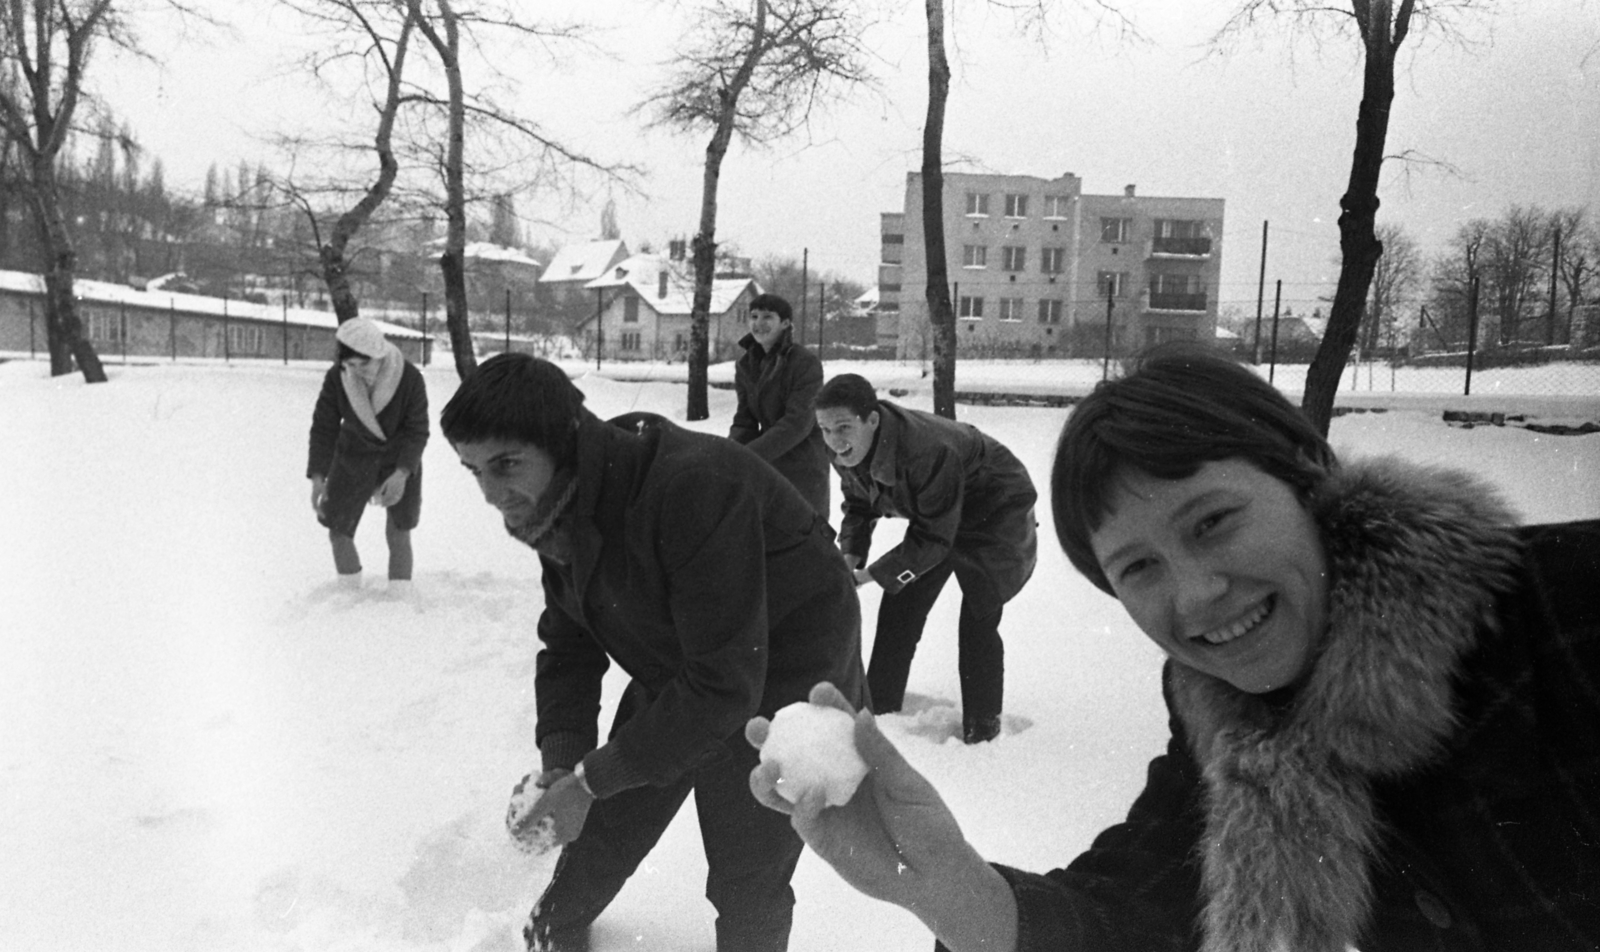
1417,557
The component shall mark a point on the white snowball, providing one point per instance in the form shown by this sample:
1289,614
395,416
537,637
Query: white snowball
535,839
814,747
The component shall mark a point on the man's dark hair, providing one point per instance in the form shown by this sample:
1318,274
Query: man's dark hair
851,391
775,304
1176,407
346,352
517,397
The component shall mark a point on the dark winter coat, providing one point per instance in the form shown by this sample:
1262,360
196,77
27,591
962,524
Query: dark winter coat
777,415
959,488
1435,785
707,578
336,431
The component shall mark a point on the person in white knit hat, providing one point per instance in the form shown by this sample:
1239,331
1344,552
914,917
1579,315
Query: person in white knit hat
368,431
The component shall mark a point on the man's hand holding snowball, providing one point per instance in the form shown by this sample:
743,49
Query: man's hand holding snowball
552,813
894,839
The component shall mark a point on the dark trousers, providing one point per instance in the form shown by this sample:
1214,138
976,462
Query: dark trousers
751,851
981,656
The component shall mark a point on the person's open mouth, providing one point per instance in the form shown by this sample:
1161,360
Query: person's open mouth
1239,627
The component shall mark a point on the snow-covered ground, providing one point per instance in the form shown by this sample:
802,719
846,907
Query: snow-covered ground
205,746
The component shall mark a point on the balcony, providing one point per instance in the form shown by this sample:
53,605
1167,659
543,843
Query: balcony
1173,301
1180,247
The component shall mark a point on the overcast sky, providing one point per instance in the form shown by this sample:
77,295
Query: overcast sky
1267,125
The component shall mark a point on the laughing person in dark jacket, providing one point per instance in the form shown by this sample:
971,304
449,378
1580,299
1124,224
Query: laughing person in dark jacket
1383,699
707,578
777,382
970,507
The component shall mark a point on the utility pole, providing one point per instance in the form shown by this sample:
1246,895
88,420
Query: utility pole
1277,298
1111,288
1261,289
805,285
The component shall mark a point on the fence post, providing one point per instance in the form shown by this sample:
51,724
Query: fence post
227,345
425,339
1472,332
172,326
122,319
1277,299
599,325
1105,364
508,320
286,332
33,347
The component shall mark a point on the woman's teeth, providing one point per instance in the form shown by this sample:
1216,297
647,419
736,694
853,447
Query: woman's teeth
1227,633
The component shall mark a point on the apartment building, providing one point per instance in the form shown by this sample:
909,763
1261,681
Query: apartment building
1039,269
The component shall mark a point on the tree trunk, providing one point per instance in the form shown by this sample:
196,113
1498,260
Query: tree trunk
1358,239
452,264
333,255
705,243
63,328
941,315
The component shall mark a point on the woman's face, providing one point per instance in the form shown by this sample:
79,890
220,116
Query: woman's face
1224,570
364,367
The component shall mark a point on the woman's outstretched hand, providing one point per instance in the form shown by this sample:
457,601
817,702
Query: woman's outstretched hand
896,840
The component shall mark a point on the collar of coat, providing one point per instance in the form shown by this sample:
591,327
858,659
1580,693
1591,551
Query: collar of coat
780,346
885,445
1417,557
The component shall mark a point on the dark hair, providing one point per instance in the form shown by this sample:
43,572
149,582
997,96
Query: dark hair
1176,407
775,304
851,391
346,352
516,396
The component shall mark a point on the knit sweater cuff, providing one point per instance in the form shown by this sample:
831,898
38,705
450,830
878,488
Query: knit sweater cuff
562,751
607,773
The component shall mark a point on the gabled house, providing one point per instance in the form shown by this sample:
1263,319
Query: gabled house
648,300
570,271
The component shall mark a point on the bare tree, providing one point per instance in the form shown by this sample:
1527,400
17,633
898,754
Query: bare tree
446,23
1395,280
376,36
941,315
756,71
1382,26
1579,258
45,49
1516,257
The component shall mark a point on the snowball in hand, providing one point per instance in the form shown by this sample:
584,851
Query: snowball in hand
815,748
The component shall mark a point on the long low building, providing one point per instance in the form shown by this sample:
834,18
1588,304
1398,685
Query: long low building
121,320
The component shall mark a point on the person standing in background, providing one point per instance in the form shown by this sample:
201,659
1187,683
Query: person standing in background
777,382
368,430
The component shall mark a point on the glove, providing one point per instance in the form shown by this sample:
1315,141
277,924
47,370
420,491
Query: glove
392,489
549,815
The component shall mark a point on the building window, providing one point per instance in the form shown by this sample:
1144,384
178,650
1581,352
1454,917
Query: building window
630,310
1011,309
680,343
1016,205
894,239
1049,310
246,339
1177,292
889,288
1179,236
1115,229
970,308
1160,335
105,327
1057,206
974,256
630,340
1014,258
1052,260
1110,284
977,203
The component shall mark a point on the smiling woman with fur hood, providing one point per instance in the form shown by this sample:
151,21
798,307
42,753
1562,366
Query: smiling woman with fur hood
1384,700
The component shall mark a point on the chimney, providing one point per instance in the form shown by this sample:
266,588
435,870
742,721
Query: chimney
1128,191
661,285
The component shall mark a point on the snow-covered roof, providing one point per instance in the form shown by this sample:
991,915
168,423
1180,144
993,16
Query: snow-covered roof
583,262
643,272
488,251
868,298
103,292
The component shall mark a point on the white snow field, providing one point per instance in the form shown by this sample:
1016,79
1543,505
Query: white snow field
205,745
